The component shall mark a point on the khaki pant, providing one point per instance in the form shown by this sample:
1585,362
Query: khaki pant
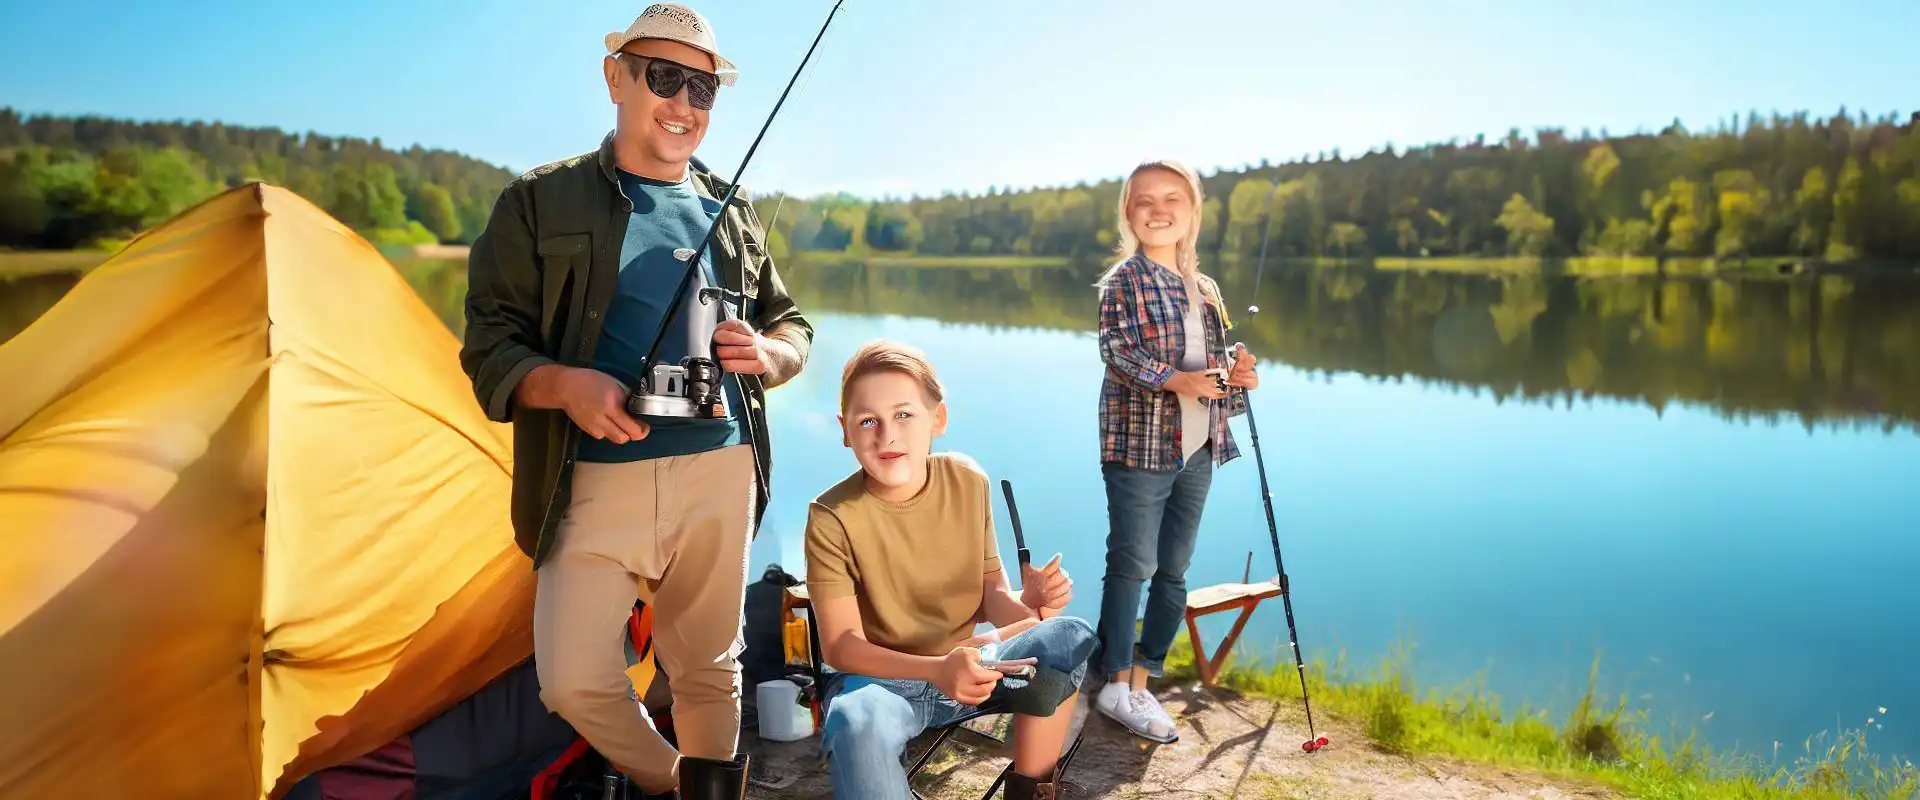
679,526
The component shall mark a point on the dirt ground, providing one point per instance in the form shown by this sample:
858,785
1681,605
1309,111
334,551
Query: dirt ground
1230,747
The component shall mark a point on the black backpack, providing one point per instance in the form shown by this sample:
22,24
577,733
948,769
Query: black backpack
765,657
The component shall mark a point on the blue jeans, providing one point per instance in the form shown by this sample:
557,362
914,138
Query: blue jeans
1153,519
870,720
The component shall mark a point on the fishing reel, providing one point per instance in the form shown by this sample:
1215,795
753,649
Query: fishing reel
690,389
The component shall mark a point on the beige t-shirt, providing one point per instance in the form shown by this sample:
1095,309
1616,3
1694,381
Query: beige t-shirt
916,566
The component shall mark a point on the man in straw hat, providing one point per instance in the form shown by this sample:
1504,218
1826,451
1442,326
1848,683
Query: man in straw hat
566,287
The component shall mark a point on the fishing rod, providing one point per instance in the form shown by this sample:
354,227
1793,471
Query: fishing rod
1019,538
1020,545
1313,742
1286,590
692,387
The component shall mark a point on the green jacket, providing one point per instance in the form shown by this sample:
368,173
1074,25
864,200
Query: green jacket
539,279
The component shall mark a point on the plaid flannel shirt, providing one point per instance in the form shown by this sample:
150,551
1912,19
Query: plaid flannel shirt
1142,334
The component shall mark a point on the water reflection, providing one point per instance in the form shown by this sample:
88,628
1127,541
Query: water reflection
1830,349
1825,350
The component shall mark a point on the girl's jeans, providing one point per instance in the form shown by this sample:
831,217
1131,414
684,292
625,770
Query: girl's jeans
1153,519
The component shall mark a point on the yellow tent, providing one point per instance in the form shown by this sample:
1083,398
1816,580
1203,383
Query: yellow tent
255,523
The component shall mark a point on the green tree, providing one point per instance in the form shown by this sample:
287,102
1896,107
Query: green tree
1346,238
1682,215
386,204
1835,188
1815,202
24,210
1529,232
893,227
1596,170
68,180
1908,193
432,205
136,187
1626,237
1845,232
1743,204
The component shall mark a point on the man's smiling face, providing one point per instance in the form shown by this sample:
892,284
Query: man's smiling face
666,129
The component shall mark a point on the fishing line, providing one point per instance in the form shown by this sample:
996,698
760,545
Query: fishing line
1266,228
805,81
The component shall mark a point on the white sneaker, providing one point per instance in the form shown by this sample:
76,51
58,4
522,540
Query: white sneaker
1152,704
1123,705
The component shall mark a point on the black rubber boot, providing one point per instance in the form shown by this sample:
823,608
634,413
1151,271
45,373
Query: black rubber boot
1021,787
706,779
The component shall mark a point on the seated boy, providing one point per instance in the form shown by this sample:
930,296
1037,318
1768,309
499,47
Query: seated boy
901,565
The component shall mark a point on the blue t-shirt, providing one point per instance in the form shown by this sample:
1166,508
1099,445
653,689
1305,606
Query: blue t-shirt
666,217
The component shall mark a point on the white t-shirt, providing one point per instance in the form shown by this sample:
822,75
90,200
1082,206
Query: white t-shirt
1194,425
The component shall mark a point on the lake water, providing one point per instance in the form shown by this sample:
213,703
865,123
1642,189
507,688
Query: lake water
1706,483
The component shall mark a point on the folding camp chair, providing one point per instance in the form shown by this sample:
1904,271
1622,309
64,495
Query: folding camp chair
797,599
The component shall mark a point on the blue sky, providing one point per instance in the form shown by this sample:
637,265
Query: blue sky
916,97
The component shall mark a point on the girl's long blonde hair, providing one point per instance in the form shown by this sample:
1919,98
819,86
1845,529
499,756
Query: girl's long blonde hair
1126,244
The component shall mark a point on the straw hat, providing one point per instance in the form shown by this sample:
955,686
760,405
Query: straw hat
676,23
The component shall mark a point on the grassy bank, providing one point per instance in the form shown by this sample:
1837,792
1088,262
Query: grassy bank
1596,741
1580,266
1599,266
20,264
805,257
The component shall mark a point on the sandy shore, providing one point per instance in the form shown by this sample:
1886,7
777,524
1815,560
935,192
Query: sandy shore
1230,746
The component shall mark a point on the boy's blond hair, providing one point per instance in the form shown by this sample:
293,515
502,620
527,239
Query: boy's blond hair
886,355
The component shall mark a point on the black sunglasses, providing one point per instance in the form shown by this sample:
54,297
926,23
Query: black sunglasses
664,78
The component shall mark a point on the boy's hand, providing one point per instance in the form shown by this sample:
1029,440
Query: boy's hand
961,677
1046,590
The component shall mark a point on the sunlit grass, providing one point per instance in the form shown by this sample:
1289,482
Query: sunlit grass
1591,266
926,261
1596,741
20,264
1470,265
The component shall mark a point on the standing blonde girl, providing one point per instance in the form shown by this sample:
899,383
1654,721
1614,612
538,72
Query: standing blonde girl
1162,429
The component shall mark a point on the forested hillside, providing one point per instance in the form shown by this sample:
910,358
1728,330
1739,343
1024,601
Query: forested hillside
1842,189
73,181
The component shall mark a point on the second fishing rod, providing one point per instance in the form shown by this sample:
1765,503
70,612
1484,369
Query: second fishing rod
1314,742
